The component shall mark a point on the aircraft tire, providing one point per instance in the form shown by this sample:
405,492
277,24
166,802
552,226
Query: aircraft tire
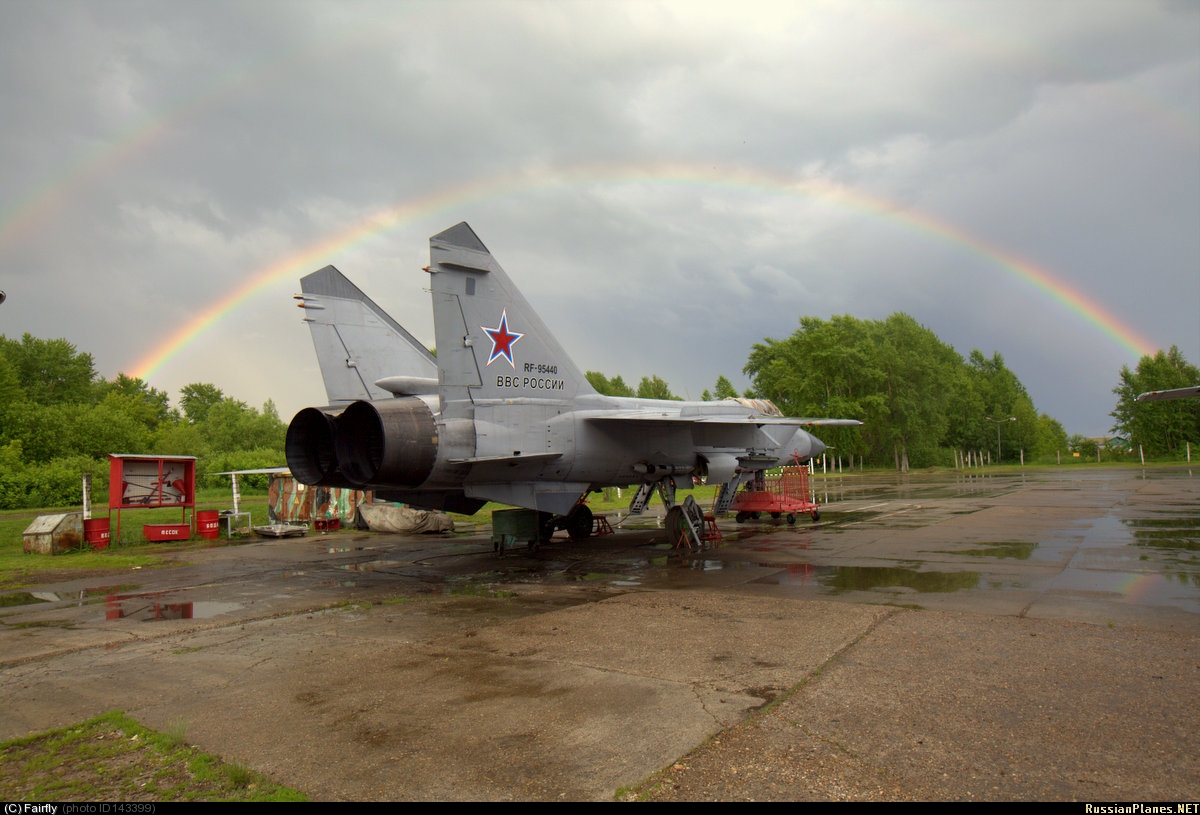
676,524
546,528
579,522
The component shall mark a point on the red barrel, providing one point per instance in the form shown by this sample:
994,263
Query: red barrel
95,532
208,524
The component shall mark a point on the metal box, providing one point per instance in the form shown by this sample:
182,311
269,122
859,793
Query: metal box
512,526
54,534
167,532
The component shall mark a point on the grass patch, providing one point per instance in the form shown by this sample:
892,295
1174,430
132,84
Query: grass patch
19,569
113,758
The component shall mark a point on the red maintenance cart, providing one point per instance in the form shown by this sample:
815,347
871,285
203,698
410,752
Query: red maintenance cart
782,496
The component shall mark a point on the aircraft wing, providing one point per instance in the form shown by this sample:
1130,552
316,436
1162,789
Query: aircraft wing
1190,392
651,415
511,460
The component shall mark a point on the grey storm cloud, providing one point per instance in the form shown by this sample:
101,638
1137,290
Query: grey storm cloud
669,183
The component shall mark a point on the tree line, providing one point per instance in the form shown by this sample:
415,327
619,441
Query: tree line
921,403
1161,429
60,419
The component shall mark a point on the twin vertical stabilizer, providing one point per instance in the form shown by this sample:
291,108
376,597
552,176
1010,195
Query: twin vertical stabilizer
363,353
490,343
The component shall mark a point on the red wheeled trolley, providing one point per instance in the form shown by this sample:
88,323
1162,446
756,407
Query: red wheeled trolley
784,495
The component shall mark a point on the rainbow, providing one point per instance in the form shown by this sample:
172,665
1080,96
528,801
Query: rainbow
39,204
454,198
1141,588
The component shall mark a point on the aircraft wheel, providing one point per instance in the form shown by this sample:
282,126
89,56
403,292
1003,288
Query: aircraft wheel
676,525
546,528
579,522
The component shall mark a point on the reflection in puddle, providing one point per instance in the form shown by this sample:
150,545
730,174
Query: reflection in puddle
864,578
1166,533
796,574
154,606
1021,550
80,596
839,579
1143,589
373,566
24,598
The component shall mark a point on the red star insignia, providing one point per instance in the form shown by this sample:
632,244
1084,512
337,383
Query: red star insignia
502,340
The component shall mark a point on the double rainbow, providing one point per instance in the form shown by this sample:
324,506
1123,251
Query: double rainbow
450,199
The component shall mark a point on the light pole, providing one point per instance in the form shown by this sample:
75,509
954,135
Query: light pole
998,423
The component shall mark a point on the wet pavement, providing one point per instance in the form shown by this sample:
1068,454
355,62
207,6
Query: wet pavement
1020,636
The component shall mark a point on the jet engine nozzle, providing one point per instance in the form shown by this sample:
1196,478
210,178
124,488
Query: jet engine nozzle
388,441
310,449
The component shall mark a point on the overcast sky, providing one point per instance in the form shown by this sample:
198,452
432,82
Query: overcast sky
668,183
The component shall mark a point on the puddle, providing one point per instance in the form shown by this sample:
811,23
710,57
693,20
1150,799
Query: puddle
1136,588
374,566
155,606
795,575
841,579
1021,550
867,578
22,598
1166,533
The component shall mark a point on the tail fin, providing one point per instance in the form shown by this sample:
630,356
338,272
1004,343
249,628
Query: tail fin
363,352
491,344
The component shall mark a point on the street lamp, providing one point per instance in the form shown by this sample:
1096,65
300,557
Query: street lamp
998,423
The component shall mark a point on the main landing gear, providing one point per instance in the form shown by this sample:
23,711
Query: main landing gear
578,522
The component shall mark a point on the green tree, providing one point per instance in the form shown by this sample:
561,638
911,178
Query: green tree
722,390
918,399
198,399
149,406
608,387
38,429
230,425
1161,428
109,427
1085,447
918,371
654,387
50,371
1050,438
1001,396
11,395
825,369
